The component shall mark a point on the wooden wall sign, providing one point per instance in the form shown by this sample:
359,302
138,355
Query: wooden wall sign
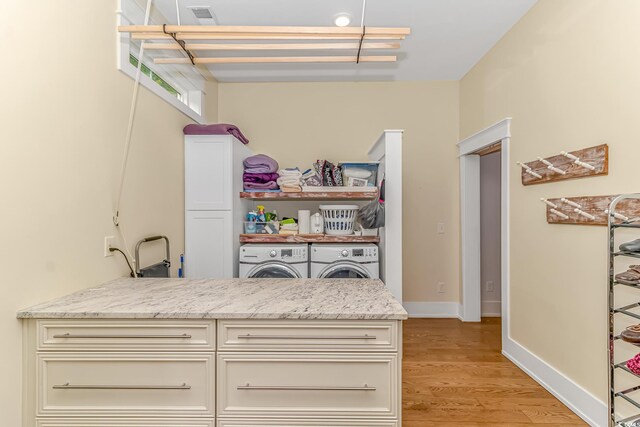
592,161
589,210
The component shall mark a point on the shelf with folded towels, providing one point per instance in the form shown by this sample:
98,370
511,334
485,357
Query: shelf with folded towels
306,238
312,195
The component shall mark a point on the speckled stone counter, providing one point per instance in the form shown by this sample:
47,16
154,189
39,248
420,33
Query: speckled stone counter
226,299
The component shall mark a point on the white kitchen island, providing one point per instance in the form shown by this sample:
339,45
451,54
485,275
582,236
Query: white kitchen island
237,352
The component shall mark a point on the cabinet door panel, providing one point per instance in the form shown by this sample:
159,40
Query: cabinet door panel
126,335
131,422
125,384
321,385
305,423
307,335
208,245
208,173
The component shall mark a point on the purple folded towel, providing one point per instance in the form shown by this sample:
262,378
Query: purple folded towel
218,129
260,163
271,185
260,177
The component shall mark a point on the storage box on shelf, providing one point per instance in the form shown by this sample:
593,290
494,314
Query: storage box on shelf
360,173
625,394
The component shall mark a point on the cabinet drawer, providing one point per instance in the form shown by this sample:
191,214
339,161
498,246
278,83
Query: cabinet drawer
307,385
143,335
97,422
311,335
121,384
305,423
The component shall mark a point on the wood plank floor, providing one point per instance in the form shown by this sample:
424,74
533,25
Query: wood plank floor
455,375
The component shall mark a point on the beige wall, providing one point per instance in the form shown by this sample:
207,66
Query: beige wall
569,75
297,123
64,115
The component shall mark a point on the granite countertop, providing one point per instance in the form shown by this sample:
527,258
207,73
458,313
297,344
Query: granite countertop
225,299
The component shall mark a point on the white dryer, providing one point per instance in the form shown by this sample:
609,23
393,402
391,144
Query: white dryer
344,261
264,261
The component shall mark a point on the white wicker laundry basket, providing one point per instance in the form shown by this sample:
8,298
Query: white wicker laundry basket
339,220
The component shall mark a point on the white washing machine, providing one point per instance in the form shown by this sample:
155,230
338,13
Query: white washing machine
344,261
271,261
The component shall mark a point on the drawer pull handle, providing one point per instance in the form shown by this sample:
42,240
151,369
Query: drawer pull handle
309,337
305,388
89,336
68,386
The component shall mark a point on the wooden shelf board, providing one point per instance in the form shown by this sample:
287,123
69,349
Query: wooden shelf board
331,195
306,238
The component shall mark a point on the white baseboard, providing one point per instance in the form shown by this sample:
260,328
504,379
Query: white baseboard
592,410
491,308
433,309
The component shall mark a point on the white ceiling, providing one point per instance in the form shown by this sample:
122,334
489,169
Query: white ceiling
448,36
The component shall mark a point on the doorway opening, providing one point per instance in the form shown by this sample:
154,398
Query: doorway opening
494,139
490,294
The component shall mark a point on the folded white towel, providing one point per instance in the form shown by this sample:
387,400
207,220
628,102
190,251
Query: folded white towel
289,177
291,172
286,181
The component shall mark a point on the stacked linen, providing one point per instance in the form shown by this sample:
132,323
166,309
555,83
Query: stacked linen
288,227
260,173
290,180
310,178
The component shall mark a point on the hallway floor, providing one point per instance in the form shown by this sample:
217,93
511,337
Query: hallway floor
455,375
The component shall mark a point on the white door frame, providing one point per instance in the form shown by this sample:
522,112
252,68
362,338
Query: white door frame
499,133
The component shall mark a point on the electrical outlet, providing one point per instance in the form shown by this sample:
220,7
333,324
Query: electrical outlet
441,228
441,287
490,287
108,243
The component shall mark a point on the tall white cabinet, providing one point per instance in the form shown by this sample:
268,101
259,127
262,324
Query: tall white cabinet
213,212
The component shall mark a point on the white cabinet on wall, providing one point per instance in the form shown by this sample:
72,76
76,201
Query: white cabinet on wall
214,213
388,151
207,244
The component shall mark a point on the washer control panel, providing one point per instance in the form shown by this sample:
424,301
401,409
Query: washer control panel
364,252
331,252
256,253
297,254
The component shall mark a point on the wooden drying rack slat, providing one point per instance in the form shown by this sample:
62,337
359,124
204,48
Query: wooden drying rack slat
265,46
202,36
597,156
274,59
262,30
593,205
180,33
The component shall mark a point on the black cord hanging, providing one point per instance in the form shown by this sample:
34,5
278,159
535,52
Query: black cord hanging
180,42
364,30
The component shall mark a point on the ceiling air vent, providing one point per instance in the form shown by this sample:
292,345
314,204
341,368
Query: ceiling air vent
202,12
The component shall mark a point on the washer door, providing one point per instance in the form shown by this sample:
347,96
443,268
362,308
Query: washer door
344,270
273,270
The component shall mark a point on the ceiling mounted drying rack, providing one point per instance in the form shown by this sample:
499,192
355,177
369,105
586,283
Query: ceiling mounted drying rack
185,37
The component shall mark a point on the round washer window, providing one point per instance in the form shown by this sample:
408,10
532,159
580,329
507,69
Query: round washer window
342,271
273,271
